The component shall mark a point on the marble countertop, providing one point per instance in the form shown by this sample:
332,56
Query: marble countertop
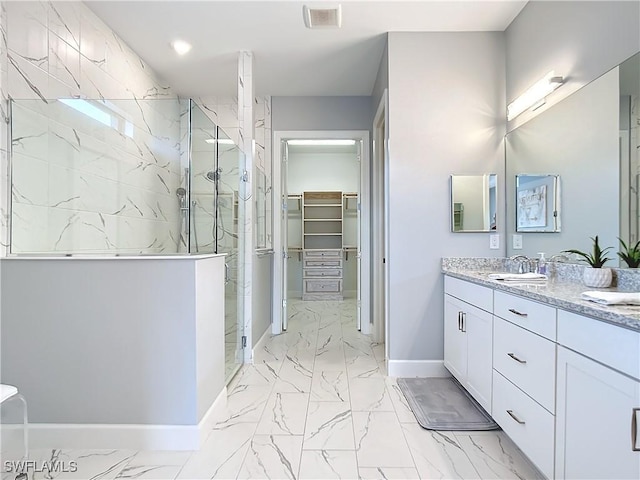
558,293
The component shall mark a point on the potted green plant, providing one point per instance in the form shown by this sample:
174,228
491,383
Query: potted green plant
596,275
631,254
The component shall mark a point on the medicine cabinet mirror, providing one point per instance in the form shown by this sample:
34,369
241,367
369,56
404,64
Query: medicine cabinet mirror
537,203
473,203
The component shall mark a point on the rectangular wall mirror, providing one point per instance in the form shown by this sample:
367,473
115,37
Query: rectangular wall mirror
591,140
537,203
473,203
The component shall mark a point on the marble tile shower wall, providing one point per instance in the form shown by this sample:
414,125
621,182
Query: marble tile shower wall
78,185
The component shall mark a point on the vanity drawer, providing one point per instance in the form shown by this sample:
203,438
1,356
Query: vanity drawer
323,286
533,316
322,272
612,345
477,295
529,425
323,263
527,360
322,253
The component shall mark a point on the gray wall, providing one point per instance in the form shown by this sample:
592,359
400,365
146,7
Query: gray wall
446,104
579,40
261,300
320,113
382,81
119,341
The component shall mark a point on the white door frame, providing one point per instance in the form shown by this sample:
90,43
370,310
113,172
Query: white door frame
380,220
365,216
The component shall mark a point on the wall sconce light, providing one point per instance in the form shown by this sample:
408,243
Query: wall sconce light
535,96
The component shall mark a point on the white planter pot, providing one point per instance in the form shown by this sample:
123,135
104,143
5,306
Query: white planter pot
597,277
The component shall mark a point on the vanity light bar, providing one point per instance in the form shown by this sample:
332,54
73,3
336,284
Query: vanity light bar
535,96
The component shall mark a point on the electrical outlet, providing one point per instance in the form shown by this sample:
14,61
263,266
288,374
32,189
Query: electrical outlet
494,241
517,242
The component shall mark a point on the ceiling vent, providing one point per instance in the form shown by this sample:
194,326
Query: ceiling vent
322,17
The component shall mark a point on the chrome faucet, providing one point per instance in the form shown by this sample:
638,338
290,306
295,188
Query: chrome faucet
522,261
560,258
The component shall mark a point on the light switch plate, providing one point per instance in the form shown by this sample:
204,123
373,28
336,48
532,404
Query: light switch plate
517,242
494,241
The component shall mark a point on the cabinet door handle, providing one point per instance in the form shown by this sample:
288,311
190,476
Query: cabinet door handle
512,415
520,314
460,321
519,360
464,319
634,429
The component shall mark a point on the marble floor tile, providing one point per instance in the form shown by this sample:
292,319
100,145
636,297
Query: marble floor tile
330,359
437,454
404,412
95,464
370,395
295,374
357,347
150,472
329,427
222,454
284,414
363,367
328,464
272,456
380,441
254,374
161,457
245,404
388,473
329,386
495,456
378,351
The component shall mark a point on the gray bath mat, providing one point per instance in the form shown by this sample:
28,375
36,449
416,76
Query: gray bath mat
442,404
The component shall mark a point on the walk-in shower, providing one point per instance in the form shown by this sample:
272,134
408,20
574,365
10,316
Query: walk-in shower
126,177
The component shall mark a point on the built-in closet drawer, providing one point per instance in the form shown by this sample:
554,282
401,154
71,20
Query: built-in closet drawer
319,263
529,425
322,272
476,295
533,316
322,253
323,286
527,360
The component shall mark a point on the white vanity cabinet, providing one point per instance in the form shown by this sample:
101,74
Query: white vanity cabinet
598,400
565,387
468,337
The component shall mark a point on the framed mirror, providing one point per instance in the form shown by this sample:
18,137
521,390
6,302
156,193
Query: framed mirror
474,203
537,203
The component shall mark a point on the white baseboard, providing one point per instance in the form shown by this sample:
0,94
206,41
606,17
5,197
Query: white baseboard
134,437
417,368
263,340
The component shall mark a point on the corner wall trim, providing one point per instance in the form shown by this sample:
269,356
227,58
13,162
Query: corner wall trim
417,368
124,436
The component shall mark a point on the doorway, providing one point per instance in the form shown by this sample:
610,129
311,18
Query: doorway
322,183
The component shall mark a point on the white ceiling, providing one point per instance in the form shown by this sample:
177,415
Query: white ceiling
289,58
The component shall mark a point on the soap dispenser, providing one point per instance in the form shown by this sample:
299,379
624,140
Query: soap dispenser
542,264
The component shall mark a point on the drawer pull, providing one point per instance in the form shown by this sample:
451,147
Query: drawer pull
634,429
512,415
516,312
519,360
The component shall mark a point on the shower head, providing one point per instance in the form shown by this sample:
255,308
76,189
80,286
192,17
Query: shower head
181,192
212,175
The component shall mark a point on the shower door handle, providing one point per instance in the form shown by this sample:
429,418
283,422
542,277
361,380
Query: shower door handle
227,273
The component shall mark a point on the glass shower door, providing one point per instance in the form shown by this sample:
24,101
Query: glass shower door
215,181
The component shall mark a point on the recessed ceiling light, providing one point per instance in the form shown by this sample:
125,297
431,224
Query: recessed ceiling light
334,142
324,17
180,46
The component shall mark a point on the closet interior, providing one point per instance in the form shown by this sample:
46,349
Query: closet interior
322,222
